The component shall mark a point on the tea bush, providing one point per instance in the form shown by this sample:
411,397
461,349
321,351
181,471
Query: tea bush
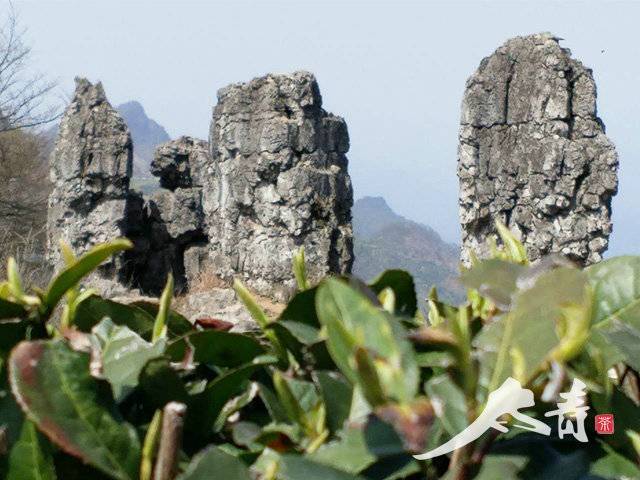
349,382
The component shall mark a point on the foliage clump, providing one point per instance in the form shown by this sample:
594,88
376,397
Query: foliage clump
349,382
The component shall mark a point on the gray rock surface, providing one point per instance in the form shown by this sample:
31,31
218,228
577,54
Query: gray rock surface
181,163
280,182
90,168
533,153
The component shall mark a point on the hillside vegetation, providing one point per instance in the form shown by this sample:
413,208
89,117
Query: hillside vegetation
385,240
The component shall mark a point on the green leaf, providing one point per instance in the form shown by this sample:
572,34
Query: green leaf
261,319
124,355
271,403
252,306
305,334
613,465
627,413
368,378
53,386
204,408
543,312
177,324
161,383
31,458
450,401
292,407
353,322
349,452
214,463
11,310
94,309
616,307
401,282
625,338
296,337
70,276
336,393
302,309
513,247
234,405
296,467
138,316
300,270
222,349
495,279
160,324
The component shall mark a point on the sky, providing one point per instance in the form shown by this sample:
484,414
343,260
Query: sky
394,70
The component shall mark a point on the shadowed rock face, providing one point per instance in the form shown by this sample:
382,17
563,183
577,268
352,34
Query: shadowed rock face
280,182
181,163
90,168
533,153
171,219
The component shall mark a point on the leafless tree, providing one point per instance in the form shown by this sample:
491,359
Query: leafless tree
24,95
24,184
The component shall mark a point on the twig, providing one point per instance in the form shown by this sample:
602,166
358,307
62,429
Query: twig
170,440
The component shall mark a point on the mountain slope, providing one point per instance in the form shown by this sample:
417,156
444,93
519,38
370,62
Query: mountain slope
146,134
384,240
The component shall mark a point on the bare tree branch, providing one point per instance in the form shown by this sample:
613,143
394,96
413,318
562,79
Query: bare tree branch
24,95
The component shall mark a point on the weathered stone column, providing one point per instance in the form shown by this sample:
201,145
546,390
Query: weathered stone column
533,153
280,182
90,168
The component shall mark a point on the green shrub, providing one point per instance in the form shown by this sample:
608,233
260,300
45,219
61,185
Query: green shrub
350,382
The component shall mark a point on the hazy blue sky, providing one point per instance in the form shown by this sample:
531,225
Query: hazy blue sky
394,70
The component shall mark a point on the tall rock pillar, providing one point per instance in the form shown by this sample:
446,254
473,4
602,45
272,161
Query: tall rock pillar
533,153
90,168
280,182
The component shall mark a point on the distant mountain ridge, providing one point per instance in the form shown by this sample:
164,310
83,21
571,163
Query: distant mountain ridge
383,240
146,134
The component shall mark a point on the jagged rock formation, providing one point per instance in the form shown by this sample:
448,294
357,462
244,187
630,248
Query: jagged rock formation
280,182
273,179
533,153
90,168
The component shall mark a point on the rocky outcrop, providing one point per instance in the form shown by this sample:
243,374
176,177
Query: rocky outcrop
533,153
272,179
90,168
182,163
171,219
280,182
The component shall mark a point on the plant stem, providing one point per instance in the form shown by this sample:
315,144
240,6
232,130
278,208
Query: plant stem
170,440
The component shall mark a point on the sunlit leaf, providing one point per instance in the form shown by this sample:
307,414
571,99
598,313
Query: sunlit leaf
53,386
